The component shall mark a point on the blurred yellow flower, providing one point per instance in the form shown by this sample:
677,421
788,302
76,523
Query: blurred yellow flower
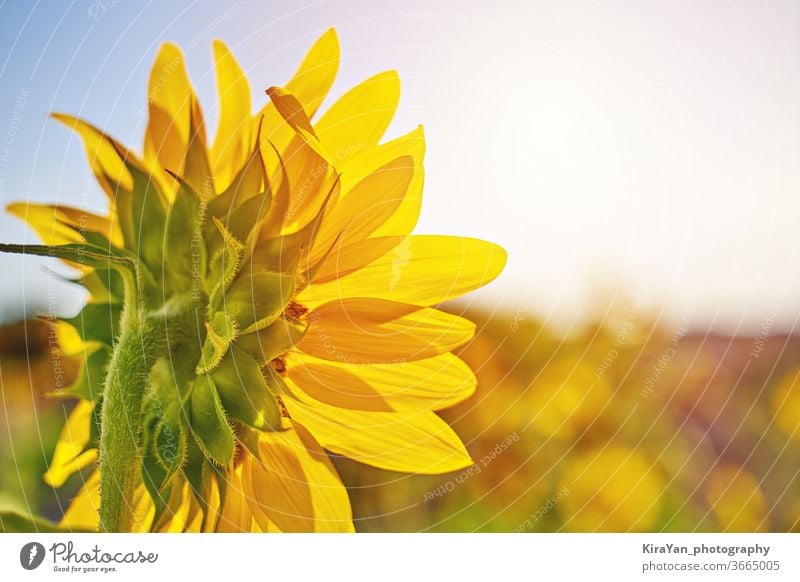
785,404
566,398
611,488
736,499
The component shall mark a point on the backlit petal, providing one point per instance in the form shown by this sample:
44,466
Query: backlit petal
295,485
358,120
70,455
230,148
422,269
362,331
418,442
430,384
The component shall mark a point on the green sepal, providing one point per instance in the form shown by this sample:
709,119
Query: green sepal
173,493
272,341
209,423
196,167
279,205
244,393
198,472
246,202
255,300
226,260
142,212
104,285
97,322
163,459
221,331
155,477
284,253
247,437
185,255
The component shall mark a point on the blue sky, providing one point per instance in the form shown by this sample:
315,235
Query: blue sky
616,149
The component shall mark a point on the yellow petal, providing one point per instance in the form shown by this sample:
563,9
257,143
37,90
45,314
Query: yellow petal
83,510
236,516
69,456
229,152
170,98
402,222
313,79
310,84
52,222
360,331
292,111
103,158
431,384
358,120
348,258
305,163
423,269
69,340
367,206
418,442
295,485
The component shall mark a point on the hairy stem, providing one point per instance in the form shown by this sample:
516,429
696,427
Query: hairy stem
120,434
143,339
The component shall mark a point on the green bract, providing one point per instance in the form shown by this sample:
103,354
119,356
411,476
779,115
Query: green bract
195,303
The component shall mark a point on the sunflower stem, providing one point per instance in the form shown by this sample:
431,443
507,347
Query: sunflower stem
120,430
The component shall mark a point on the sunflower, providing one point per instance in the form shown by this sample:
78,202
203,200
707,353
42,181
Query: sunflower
256,303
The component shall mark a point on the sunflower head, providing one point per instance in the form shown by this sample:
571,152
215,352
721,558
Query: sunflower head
279,290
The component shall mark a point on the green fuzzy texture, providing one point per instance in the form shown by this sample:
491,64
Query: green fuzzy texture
184,319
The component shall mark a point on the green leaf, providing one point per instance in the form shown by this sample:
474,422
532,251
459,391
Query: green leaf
244,393
82,253
209,423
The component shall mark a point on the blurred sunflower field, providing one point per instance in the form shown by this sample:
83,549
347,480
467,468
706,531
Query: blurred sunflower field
624,426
